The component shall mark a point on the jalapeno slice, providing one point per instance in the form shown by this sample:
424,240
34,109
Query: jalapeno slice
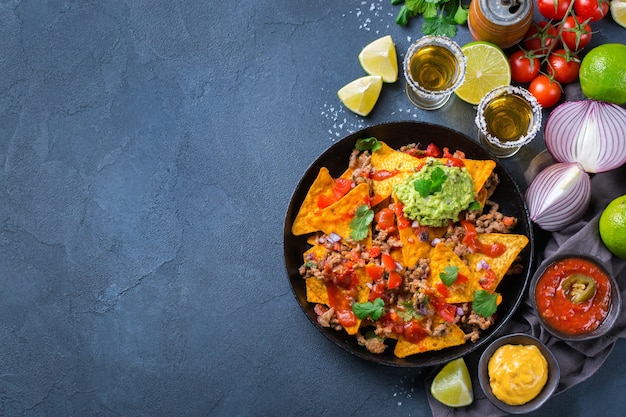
579,288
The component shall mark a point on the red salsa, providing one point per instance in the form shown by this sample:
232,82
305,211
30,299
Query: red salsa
573,296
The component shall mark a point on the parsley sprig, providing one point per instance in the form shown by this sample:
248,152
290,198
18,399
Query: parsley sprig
485,303
432,185
440,16
360,224
373,310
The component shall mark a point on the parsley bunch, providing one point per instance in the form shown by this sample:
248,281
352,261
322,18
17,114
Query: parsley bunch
440,16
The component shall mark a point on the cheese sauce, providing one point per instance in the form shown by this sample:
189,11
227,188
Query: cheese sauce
517,373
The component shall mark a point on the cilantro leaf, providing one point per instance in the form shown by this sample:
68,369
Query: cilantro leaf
408,312
396,2
438,177
368,144
484,303
449,275
373,310
359,226
426,186
474,205
440,16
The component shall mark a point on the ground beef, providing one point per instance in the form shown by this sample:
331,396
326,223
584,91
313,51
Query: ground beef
361,166
372,344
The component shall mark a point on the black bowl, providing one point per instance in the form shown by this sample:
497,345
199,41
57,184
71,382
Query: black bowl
397,134
609,320
554,373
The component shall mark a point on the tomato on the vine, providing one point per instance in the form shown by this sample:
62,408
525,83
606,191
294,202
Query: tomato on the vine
563,67
553,9
540,37
576,33
591,9
546,91
524,66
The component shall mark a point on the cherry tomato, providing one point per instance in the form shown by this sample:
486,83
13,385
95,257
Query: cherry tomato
546,91
553,9
563,67
385,219
591,9
540,37
576,33
524,67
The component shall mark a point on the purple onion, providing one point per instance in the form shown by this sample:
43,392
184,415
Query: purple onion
588,132
559,196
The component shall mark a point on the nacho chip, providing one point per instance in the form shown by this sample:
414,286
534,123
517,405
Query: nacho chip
459,292
400,164
479,171
500,265
337,217
316,291
322,184
413,247
454,337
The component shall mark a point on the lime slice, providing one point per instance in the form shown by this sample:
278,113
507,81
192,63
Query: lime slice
618,12
452,386
379,58
361,95
487,68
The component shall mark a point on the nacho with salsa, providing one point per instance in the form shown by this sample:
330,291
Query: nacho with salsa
407,251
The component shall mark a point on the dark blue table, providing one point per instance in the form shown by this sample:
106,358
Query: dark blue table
148,154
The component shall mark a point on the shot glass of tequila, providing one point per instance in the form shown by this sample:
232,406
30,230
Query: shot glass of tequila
508,117
434,67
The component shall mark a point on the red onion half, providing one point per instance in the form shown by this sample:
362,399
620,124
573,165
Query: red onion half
559,196
589,132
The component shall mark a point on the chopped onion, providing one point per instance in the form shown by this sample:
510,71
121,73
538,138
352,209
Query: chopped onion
588,132
459,311
559,195
334,237
482,264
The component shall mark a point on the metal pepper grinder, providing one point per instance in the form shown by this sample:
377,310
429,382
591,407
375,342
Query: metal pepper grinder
502,22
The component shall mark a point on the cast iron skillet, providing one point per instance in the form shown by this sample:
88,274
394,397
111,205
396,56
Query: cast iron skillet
395,135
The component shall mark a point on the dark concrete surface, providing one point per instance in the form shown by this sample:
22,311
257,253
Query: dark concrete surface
148,151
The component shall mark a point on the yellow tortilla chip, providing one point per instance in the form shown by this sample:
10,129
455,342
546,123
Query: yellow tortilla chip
316,291
479,171
441,257
337,217
400,163
363,293
323,184
413,248
500,265
405,348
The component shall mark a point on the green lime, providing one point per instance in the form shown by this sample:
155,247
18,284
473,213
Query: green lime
486,68
452,386
603,73
613,227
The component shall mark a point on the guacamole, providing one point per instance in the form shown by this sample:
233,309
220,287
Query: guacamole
436,194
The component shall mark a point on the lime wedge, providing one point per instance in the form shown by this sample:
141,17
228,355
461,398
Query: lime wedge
452,386
618,12
361,95
379,58
487,68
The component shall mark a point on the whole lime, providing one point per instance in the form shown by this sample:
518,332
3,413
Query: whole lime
612,227
603,73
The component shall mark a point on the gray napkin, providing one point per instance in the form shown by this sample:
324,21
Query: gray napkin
577,360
